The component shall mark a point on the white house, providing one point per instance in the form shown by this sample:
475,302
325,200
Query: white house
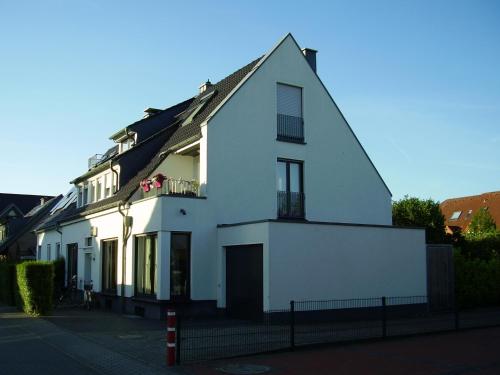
251,194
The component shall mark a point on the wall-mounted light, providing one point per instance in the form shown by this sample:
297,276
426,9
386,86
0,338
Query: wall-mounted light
182,211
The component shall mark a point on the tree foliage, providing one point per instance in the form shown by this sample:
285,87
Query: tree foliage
482,224
415,212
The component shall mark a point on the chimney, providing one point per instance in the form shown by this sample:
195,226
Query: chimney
42,201
310,55
205,86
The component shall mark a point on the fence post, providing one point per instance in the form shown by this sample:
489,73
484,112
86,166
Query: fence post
384,316
171,324
178,341
292,325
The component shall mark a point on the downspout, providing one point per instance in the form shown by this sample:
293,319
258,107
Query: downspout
117,180
58,230
126,232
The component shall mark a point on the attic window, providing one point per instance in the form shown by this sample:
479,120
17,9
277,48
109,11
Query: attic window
455,215
196,109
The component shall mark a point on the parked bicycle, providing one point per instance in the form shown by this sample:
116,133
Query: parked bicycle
88,296
68,294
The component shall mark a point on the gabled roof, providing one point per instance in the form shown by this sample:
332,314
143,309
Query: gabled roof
29,222
465,208
23,202
175,136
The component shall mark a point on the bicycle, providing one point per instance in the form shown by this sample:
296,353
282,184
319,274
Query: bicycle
67,296
88,296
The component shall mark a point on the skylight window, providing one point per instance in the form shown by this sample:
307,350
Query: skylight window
455,215
194,111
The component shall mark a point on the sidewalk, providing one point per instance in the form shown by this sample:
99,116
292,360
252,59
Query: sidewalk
80,342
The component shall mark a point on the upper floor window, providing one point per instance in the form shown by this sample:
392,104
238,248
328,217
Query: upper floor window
290,186
289,108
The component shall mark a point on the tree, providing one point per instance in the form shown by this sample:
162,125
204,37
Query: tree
482,224
415,212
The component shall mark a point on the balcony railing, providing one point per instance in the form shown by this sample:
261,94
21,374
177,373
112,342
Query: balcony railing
291,204
175,186
290,128
94,160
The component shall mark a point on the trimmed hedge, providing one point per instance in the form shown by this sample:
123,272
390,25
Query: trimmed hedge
484,247
477,281
8,285
36,287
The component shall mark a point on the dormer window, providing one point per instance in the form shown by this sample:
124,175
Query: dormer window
127,144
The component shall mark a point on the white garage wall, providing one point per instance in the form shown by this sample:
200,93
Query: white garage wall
313,261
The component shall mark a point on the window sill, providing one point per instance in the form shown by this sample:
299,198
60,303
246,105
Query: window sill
290,140
145,298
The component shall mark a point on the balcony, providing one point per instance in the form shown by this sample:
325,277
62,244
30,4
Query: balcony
290,205
94,160
290,128
176,187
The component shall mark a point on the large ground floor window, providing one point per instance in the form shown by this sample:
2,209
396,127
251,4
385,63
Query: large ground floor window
180,249
109,249
145,265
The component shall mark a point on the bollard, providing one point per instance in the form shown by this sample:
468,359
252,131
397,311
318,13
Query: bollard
171,324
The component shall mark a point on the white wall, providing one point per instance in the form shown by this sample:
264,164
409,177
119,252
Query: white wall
179,166
312,261
340,183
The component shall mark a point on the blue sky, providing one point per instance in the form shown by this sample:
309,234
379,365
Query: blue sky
419,82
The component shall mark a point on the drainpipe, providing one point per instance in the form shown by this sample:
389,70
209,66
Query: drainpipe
126,232
117,180
58,230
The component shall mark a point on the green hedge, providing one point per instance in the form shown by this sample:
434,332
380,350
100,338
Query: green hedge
484,247
8,283
36,287
477,281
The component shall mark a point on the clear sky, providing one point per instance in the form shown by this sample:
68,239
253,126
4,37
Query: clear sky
418,81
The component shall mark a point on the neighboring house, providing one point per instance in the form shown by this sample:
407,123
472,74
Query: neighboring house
458,212
19,215
252,193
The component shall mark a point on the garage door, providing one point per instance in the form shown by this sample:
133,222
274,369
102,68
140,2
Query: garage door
244,285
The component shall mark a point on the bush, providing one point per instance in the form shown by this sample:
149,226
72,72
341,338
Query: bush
8,283
59,273
36,286
477,281
486,246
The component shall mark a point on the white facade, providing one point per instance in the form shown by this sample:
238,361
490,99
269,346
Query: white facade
235,163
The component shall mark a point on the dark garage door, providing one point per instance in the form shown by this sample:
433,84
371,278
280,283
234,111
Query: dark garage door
244,285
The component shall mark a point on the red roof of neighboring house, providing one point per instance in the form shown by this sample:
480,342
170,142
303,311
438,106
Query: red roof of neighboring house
458,212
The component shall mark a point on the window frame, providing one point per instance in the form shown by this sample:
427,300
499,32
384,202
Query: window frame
104,258
287,163
137,293
187,295
283,137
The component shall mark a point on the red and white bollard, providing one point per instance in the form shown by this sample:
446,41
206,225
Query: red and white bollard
171,323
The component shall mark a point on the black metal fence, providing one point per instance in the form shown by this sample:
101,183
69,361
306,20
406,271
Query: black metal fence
321,322
290,204
290,128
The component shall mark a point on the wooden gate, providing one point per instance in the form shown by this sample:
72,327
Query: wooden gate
440,277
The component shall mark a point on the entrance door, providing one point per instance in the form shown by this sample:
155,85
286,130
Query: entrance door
244,281
88,270
72,263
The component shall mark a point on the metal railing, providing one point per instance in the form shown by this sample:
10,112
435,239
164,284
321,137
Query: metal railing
320,322
290,128
174,186
290,204
94,160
